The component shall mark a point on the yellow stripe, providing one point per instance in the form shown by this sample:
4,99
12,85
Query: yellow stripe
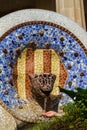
55,69
21,75
38,61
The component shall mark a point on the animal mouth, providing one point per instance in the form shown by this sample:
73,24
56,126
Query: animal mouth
46,92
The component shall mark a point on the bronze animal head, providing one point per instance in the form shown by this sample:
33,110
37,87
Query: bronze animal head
42,84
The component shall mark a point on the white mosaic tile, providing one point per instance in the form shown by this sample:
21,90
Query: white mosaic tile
7,122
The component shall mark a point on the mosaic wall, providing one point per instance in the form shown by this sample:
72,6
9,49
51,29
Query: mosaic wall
41,36
37,61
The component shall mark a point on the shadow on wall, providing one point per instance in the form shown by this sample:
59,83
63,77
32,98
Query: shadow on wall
10,5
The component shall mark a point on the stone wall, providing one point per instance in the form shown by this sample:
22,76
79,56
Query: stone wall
73,9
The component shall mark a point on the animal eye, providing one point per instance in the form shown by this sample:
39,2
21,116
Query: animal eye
40,75
48,75
44,75
35,76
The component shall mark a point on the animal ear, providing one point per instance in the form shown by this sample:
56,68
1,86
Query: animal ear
31,76
54,77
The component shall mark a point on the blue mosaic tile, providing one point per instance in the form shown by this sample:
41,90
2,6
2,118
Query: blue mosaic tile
73,55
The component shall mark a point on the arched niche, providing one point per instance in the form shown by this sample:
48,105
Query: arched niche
42,31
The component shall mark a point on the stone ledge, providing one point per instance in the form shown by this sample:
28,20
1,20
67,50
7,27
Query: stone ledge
7,122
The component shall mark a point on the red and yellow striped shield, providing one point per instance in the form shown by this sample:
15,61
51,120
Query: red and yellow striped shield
38,61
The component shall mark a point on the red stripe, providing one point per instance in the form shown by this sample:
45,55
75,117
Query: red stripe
63,75
29,70
47,61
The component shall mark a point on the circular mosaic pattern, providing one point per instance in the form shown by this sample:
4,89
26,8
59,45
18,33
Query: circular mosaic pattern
41,35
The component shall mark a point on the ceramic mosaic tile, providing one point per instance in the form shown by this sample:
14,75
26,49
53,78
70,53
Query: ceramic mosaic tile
41,36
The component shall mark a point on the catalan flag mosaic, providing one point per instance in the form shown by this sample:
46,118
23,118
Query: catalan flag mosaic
37,62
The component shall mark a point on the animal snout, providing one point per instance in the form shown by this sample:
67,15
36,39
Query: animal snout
46,90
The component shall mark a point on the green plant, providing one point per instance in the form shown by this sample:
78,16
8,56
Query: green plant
75,117
80,100
79,95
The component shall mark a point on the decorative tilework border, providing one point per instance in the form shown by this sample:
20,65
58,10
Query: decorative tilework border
47,23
